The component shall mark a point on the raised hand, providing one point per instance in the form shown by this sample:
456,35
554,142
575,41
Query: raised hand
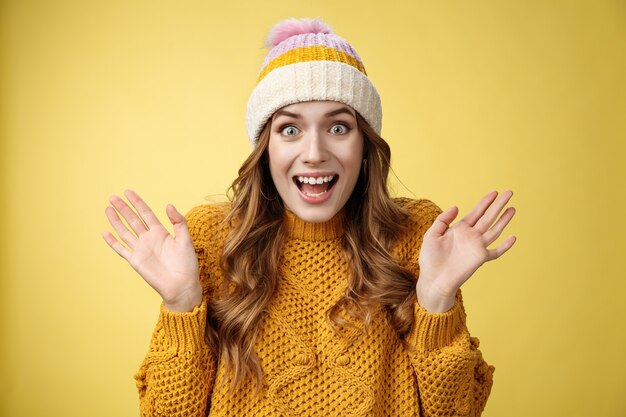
451,254
168,263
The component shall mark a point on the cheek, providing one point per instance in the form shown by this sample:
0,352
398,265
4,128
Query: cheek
279,161
353,157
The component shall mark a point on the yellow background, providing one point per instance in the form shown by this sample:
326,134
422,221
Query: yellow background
477,95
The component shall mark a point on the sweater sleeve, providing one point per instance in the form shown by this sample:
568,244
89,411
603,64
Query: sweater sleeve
452,376
177,375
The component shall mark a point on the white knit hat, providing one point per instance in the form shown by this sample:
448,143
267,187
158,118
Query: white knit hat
308,62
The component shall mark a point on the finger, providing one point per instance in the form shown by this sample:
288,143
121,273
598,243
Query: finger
496,230
116,245
145,212
120,228
181,231
501,250
135,223
472,217
442,222
485,222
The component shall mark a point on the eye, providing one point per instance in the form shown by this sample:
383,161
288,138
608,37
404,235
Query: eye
339,129
289,131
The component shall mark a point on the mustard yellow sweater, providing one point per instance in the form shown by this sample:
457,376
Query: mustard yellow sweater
309,370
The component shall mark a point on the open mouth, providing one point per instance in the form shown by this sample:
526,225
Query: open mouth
315,186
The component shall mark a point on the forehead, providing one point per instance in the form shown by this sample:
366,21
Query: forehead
315,108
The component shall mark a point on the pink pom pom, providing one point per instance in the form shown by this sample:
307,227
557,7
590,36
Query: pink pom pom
292,26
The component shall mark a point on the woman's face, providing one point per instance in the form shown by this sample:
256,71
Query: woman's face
315,153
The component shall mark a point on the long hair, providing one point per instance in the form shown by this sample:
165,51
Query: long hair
252,252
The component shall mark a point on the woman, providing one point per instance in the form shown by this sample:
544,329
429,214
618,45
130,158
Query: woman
312,292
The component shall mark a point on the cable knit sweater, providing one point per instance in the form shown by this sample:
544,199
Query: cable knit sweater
309,370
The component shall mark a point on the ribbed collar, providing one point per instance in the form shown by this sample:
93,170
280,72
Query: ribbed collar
328,230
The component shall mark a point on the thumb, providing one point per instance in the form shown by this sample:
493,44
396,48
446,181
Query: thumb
442,222
178,221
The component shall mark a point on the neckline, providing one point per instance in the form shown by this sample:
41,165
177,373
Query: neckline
302,230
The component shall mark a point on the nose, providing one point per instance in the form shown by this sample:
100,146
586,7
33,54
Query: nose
315,151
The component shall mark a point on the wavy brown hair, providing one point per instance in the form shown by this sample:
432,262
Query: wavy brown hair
252,252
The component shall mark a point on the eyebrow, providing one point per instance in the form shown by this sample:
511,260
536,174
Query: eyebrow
298,116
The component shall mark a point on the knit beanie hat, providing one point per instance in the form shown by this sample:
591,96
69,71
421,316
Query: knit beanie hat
308,62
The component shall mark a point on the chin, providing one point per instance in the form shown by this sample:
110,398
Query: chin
315,214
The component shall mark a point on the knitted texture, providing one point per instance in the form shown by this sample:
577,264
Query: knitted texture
309,369
308,62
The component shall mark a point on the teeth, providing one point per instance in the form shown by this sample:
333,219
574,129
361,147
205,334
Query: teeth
313,180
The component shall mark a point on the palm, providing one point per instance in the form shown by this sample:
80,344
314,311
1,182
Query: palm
456,255
156,252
